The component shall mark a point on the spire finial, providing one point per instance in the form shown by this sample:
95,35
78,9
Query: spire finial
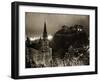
45,31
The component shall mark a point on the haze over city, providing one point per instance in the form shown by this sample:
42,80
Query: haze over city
34,23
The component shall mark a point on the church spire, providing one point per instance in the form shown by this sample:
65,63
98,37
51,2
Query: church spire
45,31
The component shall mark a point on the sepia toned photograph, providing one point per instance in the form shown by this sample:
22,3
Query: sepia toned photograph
56,40
52,40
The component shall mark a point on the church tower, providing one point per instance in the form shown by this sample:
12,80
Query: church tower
45,41
45,32
46,51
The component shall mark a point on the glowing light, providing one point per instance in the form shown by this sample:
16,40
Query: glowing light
50,37
34,38
79,29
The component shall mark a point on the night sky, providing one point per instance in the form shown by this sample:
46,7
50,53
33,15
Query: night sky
34,22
